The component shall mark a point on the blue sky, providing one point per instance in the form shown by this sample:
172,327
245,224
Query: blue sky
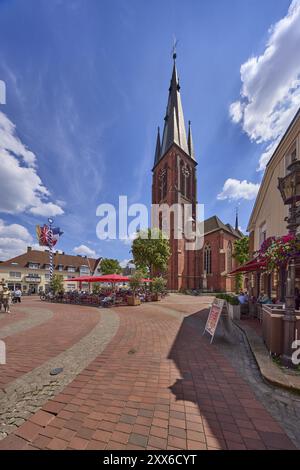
87,85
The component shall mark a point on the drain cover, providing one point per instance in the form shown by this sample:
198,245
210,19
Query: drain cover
56,371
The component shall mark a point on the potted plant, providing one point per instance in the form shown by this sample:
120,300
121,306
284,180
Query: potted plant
158,287
232,304
135,283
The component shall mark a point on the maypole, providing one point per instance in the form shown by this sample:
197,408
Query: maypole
48,236
50,241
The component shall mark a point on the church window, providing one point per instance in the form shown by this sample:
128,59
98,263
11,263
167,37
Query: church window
207,259
229,257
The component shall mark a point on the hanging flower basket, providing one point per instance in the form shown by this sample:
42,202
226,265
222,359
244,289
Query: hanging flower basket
276,251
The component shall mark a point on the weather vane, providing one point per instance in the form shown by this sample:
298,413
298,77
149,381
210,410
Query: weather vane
175,42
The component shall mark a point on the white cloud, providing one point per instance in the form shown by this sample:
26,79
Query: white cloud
126,262
84,250
21,189
129,239
270,94
14,240
234,189
236,111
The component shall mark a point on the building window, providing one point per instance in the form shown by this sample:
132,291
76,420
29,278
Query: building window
15,274
71,269
289,158
33,265
60,267
47,276
163,182
84,270
229,257
262,233
207,259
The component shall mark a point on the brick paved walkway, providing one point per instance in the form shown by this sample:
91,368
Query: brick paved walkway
159,384
30,348
14,317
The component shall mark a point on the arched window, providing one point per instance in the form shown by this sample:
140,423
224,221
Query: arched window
207,259
229,257
189,182
181,177
165,181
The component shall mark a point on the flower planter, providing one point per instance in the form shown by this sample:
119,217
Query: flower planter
234,311
155,297
133,301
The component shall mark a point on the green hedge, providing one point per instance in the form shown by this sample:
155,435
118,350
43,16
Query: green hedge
231,299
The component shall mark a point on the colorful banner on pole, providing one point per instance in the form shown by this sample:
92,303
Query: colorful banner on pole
48,236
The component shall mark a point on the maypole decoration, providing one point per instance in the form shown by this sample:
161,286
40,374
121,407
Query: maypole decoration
48,235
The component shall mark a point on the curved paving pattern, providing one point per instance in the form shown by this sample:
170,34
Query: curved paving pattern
27,394
158,384
7,319
25,319
30,348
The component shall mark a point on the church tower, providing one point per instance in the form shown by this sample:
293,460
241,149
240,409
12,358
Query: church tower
174,182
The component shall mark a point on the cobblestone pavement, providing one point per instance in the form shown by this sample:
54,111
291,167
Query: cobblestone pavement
158,384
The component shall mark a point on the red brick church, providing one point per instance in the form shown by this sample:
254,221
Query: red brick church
175,182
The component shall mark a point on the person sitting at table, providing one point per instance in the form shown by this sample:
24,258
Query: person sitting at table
242,298
264,299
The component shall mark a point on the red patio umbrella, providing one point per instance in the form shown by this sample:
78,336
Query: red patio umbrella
106,278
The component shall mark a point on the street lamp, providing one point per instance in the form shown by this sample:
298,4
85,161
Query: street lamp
289,187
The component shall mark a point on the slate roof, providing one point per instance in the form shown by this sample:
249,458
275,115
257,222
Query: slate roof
214,223
174,127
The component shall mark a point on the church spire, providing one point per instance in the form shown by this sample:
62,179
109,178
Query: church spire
174,128
190,142
158,148
237,219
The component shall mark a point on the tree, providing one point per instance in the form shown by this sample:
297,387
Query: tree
135,281
110,266
57,283
96,289
151,252
159,285
241,254
241,250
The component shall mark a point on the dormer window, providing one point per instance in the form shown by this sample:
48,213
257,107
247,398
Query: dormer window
71,269
33,265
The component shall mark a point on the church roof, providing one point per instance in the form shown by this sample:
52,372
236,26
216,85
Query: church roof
214,223
174,127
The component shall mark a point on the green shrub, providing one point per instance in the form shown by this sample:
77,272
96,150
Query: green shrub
231,299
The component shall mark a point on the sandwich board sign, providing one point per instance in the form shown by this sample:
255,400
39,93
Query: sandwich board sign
213,318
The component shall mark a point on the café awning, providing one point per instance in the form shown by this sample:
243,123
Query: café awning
250,266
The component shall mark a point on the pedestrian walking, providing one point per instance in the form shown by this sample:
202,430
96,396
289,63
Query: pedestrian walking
6,299
18,295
